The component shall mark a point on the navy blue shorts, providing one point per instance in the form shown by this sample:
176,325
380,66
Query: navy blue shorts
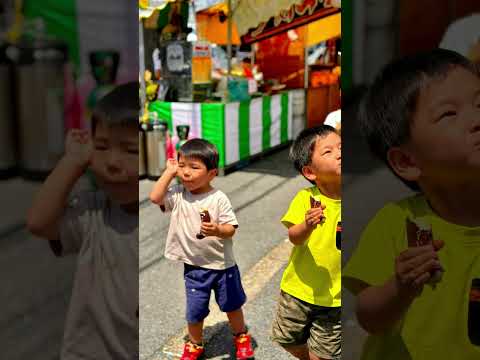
199,283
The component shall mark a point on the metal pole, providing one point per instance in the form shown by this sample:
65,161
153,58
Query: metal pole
305,74
229,45
229,37
359,32
141,47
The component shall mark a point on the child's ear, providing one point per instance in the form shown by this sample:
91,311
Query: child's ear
212,173
403,163
308,173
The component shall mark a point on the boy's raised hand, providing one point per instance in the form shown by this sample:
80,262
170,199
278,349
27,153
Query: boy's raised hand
172,167
314,216
414,266
79,147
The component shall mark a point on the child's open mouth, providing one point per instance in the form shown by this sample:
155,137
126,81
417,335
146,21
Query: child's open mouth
115,183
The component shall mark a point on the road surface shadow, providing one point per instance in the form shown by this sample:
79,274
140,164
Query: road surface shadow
274,163
220,342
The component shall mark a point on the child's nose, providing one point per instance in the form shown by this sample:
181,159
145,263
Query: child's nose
475,128
113,160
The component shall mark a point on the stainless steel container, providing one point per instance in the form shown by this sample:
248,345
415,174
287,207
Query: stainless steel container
142,170
156,149
7,117
39,73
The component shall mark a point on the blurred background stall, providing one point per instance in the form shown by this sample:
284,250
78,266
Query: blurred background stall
247,80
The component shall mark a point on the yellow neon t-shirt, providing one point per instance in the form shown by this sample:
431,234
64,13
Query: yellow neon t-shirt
436,324
313,271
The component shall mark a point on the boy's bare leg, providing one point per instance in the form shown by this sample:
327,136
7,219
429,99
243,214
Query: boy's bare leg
299,351
237,322
314,357
195,332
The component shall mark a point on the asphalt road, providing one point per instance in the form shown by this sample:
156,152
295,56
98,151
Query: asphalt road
36,286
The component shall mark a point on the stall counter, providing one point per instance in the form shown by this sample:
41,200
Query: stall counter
239,130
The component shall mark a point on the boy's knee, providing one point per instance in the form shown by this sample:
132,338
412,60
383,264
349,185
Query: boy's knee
196,315
299,351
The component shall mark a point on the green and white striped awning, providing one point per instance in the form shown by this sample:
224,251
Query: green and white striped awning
238,130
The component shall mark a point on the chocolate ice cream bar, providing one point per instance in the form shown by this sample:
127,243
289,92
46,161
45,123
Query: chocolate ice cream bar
419,233
314,203
205,217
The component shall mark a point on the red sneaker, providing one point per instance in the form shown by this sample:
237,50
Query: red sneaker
192,351
243,343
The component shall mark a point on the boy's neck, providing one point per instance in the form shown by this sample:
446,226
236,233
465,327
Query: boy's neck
459,206
331,190
131,208
203,189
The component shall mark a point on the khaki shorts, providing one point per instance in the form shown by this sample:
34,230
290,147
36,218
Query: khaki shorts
297,323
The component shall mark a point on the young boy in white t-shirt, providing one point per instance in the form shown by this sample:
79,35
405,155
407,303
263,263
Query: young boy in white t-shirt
205,247
100,227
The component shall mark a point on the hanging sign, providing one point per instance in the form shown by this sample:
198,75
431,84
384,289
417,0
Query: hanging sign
297,15
201,50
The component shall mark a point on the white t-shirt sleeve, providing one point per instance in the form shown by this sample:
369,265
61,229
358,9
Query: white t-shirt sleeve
226,214
462,34
171,197
334,119
75,223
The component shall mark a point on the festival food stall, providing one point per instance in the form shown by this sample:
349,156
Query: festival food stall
51,49
247,116
239,130
306,36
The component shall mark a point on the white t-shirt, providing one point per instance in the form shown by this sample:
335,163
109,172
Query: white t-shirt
334,119
462,35
182,244
102,320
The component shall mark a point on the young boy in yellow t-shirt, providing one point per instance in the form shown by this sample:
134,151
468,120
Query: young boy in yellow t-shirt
422,118
307,322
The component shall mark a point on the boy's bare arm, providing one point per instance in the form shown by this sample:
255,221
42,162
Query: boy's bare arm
49,203
379,308
299,233
160,188
223,231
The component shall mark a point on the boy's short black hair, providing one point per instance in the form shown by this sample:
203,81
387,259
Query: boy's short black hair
387,108
304,145
202,150
121,106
